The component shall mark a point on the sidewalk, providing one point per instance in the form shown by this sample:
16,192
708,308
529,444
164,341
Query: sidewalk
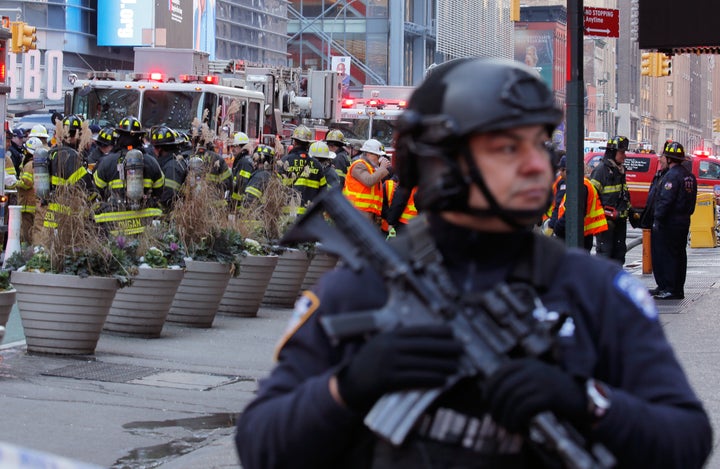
171,402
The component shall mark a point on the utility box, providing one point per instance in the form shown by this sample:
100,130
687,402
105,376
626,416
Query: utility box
171,62
703,221
325,90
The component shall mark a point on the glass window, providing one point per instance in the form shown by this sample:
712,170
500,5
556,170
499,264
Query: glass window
105,106
253,130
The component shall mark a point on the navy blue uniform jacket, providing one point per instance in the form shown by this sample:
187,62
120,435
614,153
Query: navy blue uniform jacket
655,421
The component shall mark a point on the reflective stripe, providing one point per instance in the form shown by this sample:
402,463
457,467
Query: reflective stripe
254,191
366,199
594,221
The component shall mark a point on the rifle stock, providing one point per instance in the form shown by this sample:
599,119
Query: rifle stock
509,319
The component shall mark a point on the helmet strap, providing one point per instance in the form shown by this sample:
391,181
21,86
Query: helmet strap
514,218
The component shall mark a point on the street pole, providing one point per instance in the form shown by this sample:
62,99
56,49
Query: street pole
574,119
5,36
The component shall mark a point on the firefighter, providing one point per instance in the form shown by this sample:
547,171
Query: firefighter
216,171
263,161
673,203
39,131
242,166
130,183
478,157
336,143
608,177
165,142
301,171
104,143
363,183
66,168
14,146
320,151
26,190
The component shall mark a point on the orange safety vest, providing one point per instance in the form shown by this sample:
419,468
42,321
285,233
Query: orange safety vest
410,210
364,198
594,221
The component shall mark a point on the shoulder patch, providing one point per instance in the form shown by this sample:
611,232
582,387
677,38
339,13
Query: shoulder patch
305,306
637,293
668,185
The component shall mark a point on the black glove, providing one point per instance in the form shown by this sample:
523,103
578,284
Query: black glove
523,388
410,357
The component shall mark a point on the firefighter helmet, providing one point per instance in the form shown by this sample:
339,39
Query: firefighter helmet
622,143
39,130
674,151
72,124
32,144
163,135
320,150
106,136
302,134
264,154
447,109
373,146
240,138
130,125
335,136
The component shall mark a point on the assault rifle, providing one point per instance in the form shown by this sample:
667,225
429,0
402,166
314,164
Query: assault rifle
508,321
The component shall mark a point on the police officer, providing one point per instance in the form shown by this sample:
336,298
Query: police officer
608,177
483,175
673,201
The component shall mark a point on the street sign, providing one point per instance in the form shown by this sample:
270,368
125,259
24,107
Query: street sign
601,22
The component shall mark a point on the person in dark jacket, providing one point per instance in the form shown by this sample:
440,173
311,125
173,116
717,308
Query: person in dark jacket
608,177
672,200
479,159
263,160
165,141
301,171
325,157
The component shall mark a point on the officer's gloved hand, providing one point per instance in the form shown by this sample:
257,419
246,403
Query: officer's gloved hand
406,358
523,388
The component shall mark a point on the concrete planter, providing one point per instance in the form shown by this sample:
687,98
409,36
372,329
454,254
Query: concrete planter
198,296
63,314
7,300
321,263
245,293
284,286
140,310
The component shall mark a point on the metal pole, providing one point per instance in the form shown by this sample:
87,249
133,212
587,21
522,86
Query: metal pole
574,119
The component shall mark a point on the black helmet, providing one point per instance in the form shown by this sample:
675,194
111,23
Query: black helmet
263,154
72,122
106,136
460,98
674,151
163,135
130,125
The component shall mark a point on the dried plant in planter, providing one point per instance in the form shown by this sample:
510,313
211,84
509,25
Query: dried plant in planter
200,219
78,246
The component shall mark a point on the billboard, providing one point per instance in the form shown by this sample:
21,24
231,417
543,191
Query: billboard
204,26
534,47
128,23
341,64
667,24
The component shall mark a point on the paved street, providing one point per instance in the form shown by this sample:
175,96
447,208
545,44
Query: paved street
171,402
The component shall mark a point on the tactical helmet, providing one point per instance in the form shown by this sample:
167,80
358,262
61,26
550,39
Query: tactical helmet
39,130
72,124
240,138
373,146
450,106
130,125
335,136
106,136
302,134
264,154
163,135
32,144
674,150
320,150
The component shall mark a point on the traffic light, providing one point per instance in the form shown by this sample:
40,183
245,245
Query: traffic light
664,65
23,37
3,57
716,124
647,64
